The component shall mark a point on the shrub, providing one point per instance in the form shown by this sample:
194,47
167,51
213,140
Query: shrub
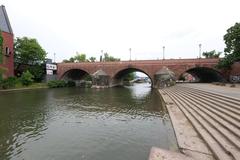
56,84
8,83
37,71
26,78
71,84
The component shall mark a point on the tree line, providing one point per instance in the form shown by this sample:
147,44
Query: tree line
82,58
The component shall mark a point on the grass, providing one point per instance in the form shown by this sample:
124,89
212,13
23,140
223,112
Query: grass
19,86
34,85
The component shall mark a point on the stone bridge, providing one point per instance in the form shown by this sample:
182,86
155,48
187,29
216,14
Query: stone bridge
203,69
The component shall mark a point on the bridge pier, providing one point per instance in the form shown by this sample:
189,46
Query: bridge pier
100,79
164,78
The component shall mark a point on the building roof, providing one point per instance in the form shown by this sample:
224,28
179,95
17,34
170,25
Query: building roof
4,21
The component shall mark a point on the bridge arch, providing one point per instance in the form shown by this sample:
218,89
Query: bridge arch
202,74
75,74
119,75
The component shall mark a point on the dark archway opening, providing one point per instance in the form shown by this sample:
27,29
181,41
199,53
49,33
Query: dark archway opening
131,76
80,77
201,75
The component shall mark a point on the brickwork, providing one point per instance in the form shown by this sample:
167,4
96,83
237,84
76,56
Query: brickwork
8,59
149,67
235,73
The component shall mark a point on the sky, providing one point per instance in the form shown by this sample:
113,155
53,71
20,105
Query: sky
65,27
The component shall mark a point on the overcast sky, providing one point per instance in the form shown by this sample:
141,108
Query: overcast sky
65,27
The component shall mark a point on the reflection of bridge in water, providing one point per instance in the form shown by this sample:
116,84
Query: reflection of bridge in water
203,69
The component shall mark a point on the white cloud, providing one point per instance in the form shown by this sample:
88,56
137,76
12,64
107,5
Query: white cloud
64,27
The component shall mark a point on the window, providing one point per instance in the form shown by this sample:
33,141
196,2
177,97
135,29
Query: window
7,51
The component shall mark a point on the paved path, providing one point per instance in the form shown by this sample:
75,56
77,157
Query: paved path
214,117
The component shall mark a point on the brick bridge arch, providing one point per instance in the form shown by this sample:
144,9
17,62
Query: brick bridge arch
149,67
120,73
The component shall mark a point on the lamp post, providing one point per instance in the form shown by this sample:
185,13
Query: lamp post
130,50
163,52
200,48
54,58
101,55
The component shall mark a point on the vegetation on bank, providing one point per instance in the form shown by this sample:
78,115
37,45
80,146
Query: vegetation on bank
29,55
232,50
18,83
60,84
25,80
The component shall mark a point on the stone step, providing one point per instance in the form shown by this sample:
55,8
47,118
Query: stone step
215,147
210,122
215,110
189,141
220,134
228,131
230,106
216,95
234,107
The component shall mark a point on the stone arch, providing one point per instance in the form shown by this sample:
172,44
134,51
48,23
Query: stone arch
74,74
117,77
204,74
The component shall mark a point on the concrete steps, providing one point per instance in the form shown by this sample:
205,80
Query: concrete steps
216,118
222,116
235,105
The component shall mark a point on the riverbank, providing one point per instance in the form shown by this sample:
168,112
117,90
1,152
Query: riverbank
205,122
21,87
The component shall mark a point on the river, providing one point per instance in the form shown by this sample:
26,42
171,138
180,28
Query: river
83,124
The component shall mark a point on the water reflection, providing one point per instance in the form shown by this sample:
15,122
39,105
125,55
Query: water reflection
22,119
73,123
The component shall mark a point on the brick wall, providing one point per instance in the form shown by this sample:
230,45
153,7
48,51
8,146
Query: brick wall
8,61
235,72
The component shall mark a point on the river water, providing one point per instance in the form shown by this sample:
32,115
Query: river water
83,124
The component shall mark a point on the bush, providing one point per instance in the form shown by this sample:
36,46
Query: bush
56,84
26,78
71,84
8,83
37,71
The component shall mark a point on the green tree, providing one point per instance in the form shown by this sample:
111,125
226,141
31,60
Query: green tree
92,59
28,51
130,76
29,54
72,59
65,61
108,58
80,57
26,78
212,54
232,50
37,71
